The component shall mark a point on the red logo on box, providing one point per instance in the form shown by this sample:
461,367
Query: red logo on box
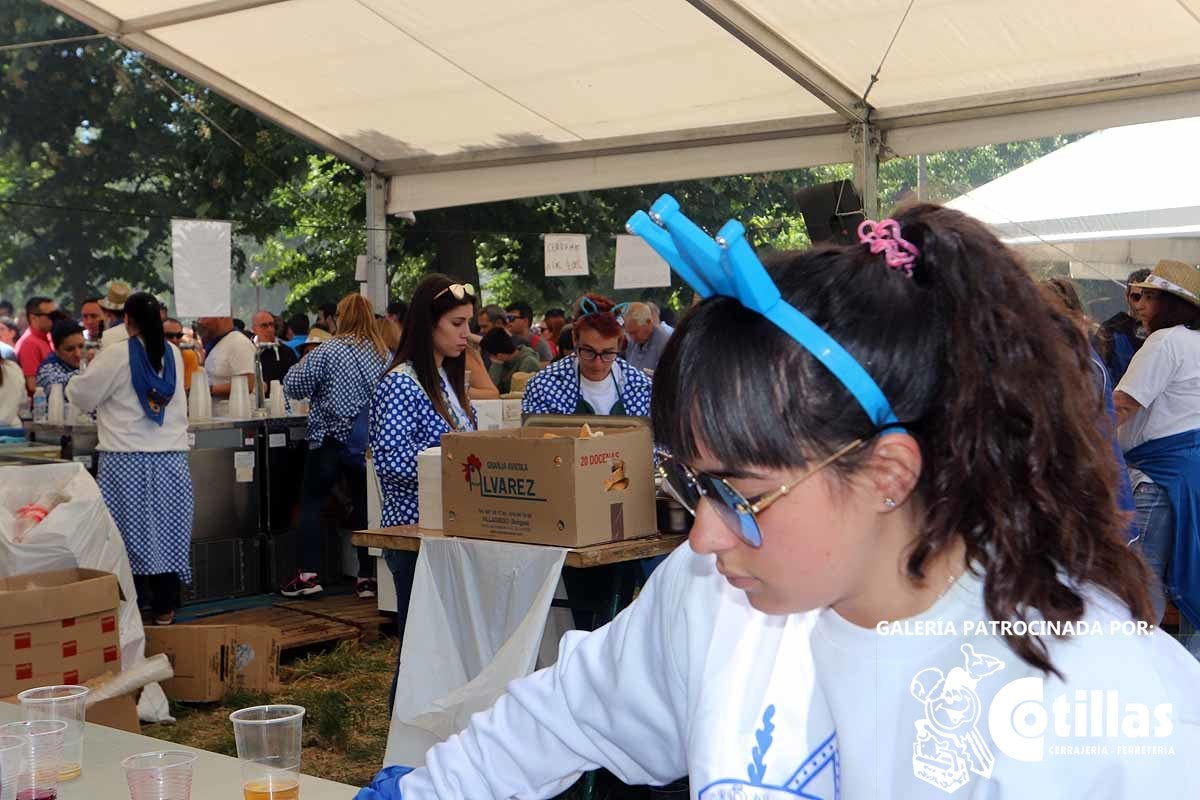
110,654
22,641
70,648
24,672
71,678
108,624
69,622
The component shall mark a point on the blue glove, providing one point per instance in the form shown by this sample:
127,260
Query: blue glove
385,785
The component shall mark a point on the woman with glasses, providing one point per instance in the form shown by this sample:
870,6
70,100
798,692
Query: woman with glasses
422,396
337,379
595,379
907,576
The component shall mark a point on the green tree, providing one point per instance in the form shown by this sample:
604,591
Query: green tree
99,148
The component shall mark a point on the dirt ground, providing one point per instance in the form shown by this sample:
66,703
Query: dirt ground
345,692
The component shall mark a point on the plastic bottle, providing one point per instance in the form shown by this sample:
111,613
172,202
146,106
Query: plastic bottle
41,410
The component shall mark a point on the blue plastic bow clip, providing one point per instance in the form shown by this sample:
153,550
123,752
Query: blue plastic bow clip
728,267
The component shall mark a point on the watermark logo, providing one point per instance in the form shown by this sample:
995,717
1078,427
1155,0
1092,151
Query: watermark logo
948,746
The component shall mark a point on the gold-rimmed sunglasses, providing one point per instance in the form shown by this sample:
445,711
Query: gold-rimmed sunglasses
740,513
459,290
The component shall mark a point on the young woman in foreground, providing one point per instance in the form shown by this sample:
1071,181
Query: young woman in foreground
861,523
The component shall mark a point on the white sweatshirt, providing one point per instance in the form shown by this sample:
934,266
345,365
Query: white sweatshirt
690,680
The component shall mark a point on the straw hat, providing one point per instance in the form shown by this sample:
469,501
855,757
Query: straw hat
118,294
315,337
518,381
1174,277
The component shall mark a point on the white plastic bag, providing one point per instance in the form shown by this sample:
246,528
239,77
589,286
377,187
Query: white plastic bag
76,533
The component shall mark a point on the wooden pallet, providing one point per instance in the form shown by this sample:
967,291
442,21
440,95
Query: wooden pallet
296,629
347,609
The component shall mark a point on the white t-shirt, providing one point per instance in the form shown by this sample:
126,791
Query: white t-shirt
122,425
600,395
1164,377
690,680
233,354
12,394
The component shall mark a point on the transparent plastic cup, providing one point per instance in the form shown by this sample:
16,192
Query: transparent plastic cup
12,751
67,704
161,775
41,757
268,746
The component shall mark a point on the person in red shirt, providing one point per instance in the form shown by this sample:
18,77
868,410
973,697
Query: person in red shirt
34,345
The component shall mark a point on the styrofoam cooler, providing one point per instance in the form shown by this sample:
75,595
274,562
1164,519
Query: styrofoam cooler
429,488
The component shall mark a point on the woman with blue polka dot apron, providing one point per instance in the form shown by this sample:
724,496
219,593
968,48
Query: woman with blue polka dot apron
422,396
136,390
595,379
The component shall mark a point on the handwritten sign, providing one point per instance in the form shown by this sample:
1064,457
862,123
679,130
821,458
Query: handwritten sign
566,254
638,266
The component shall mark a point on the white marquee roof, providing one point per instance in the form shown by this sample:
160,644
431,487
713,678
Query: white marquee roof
466,101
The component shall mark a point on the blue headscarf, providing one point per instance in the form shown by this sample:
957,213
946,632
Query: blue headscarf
153,392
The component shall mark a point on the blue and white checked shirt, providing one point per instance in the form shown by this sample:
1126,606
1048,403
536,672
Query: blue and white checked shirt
52,371
555,390
338,378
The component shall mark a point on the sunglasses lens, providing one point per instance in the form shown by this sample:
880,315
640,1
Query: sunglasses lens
679,485
727,502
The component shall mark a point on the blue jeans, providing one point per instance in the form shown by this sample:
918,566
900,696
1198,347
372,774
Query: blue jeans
322,467
403,566
1154,528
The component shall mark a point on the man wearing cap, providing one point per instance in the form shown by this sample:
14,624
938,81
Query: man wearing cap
275,357
34,344
113,305
230,355
1158,407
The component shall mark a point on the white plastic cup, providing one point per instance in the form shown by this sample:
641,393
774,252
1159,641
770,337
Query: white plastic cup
55,413
67,704
161,775
278,403
12,751
268,746
41,757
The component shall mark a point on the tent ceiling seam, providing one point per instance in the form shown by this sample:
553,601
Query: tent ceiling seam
469,73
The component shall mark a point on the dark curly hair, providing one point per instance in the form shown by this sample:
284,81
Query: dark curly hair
993,383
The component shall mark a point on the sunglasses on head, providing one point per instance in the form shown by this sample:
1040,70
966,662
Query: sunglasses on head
738,512
459,290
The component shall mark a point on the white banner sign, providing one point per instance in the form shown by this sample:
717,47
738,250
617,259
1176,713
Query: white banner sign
638,266
566,254
201,259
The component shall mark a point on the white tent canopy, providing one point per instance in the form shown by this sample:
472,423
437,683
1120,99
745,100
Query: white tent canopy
1114,200
463,101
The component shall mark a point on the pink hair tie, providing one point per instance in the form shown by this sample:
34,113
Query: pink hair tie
884,237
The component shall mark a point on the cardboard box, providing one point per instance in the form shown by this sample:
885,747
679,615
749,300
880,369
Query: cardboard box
116,712
495,415
209,660
523,486
57,627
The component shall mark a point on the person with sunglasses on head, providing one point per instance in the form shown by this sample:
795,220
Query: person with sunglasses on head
1122,334
1158,407
595,379
135,389
422,396
63,363
906,455
337,378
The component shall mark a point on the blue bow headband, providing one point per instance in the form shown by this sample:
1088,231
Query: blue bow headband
728,267
588,307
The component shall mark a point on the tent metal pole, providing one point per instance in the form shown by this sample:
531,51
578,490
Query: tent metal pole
866,166
377,284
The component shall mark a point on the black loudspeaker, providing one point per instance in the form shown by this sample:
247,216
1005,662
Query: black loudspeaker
831,212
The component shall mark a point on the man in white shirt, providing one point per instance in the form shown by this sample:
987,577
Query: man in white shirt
230,354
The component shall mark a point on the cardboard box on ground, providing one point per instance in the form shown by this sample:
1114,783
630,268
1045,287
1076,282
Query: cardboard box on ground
60,627
209,660
553,486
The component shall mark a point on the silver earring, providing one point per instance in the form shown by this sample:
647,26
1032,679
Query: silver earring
889,503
